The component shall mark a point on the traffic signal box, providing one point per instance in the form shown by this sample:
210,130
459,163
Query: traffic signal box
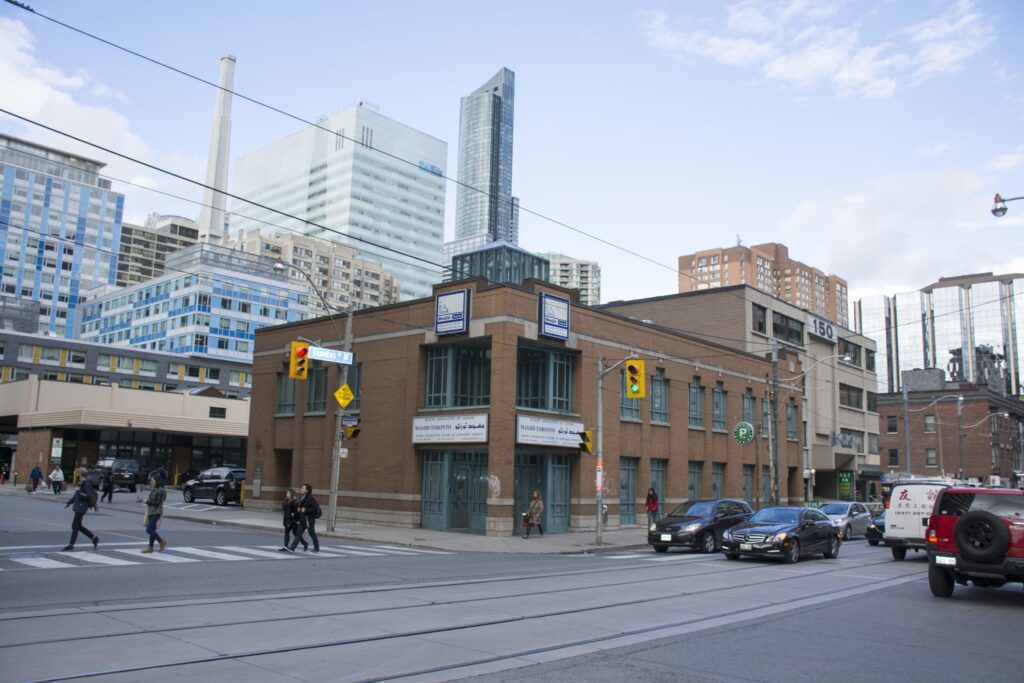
586,441
635,385
351,431
298,360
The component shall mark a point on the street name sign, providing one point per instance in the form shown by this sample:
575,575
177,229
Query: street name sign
330,355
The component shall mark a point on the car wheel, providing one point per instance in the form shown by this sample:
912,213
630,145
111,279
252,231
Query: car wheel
940,581
872,541
899,553
847,533
833,550
188,496
981,536
707,542
732,556
792,553
661,548
221,498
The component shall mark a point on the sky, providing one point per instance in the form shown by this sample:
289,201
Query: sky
867,136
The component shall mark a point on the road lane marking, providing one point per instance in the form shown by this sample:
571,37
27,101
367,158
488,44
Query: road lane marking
209,554
163,557
42,562
258,553
97,558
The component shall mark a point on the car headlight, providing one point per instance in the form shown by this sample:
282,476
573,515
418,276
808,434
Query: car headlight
652,528
727,534
690,528
871,526
780,537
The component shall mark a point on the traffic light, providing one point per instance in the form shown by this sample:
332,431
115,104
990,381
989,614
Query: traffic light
586,442
635,387
298,360
351,431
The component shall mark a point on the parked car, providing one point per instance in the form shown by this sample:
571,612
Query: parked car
697,524
876,530
222,484
851,518
124,471
186,476
975,535
786,532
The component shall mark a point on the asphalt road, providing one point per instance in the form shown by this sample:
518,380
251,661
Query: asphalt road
230,607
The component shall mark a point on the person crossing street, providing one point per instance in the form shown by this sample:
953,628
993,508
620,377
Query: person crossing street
309,510
83,498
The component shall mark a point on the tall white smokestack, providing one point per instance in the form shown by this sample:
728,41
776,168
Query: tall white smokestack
211,218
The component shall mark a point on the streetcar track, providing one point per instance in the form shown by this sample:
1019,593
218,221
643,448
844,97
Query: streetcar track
487,623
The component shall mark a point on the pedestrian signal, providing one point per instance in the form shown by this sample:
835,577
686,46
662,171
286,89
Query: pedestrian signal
635,387
586,441
351,431
298,360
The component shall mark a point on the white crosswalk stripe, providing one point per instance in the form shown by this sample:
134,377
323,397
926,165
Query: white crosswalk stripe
129,557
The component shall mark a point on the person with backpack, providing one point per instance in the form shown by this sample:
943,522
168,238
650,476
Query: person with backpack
309,512
290,510
154,511
83,499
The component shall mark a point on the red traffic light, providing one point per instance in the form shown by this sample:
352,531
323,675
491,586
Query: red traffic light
302,351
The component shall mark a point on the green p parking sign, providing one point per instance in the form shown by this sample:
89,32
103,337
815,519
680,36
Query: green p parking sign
743,432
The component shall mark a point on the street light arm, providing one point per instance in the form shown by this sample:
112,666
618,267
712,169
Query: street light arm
999,205
281,266
940,398
844,356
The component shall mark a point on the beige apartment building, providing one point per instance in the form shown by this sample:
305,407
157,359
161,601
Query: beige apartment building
574,273
769,268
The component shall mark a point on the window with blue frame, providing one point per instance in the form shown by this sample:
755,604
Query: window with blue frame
766,416
629,408
659,396
749,406
285,394
696,403
791,420
458,375
316,390
718,404
354,382
544,379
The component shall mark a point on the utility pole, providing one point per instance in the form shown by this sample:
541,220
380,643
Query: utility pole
339,432
602,372
960,434
906,428
773,427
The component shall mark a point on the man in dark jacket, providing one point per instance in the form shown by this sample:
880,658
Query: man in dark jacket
308,509
82,500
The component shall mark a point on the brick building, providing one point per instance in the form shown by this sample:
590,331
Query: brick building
471,399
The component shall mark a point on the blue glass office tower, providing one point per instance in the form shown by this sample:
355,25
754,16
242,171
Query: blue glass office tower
485,208
60,230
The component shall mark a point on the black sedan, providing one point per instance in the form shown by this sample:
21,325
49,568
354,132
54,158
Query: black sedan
786,532
697,524
222,484
876,529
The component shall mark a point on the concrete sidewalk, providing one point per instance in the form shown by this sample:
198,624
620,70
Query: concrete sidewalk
233,515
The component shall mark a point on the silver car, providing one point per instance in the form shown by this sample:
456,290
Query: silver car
851,518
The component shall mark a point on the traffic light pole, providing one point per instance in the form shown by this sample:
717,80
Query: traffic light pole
339,433
602,372
773,428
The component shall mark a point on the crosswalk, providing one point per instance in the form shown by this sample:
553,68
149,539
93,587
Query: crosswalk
132,555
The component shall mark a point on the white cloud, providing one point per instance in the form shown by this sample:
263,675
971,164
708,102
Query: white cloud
801,43
933,150
1008,161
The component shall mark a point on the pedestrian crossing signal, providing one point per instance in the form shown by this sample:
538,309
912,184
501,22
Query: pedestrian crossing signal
298,360
586,442
351,431
635,387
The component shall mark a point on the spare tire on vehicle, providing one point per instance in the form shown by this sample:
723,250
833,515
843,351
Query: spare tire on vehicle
980,536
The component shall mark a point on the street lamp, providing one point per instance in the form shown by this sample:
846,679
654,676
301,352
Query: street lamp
999,205
961,435
339,432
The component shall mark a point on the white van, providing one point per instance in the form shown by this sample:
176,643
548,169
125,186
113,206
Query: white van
907,512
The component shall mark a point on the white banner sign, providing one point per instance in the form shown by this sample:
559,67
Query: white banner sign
451,312
554,316
544,432
450,429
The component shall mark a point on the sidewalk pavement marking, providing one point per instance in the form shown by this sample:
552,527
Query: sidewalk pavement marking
210,554
163,557
42,562
97,558
266,554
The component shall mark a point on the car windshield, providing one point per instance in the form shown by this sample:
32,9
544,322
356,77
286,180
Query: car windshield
696,508
835,508
776,516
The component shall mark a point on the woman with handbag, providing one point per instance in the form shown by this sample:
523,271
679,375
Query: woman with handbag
154,510
535,515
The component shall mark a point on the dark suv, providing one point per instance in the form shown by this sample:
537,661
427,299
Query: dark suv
697,524
222,484
125,472
977,535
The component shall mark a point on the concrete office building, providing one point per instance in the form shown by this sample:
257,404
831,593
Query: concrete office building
573,273
358,178
971,326
60,228
145,248
472,399
336,270
210,302
769,268
837,398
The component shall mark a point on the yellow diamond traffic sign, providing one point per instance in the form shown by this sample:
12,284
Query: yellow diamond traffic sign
344,395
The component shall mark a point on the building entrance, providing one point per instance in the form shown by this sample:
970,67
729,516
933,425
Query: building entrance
548,473
454,492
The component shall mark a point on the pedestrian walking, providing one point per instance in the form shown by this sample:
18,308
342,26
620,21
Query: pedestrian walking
34,477
652,506
83,499
535,515
140,485
107,486
309,511
154,511
4,475
57,480
290,518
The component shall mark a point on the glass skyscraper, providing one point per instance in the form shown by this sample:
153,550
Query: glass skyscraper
370,182
484,202
60,230
969,326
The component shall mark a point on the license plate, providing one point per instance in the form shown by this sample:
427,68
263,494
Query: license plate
666,537
746,546
942,559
